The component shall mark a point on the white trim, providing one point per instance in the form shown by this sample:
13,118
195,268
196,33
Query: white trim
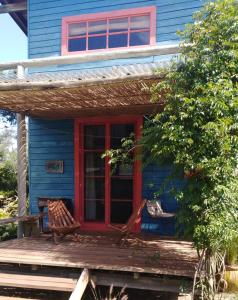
92,57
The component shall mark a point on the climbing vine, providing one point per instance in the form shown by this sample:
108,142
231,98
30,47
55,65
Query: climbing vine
197,132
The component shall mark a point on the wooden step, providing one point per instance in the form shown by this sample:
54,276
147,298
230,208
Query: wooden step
14,298
37,282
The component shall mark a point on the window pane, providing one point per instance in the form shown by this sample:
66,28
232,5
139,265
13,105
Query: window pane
93,163
118,25
118,132
77,29
121,169
94,211
97,42
97,27
139,38
120,212
77,45
94,137
121,189
94,199
118,40
94,188
140,22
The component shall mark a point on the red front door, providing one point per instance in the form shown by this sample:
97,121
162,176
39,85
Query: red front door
105,194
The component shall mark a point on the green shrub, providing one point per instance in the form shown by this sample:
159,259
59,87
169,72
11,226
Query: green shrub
3,214
8,178
8,232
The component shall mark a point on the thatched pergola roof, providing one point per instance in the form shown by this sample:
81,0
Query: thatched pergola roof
115,90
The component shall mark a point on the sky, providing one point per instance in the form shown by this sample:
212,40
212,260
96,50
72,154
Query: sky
13,42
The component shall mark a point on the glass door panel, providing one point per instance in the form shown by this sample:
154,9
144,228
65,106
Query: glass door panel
94,191
94,137
122,178
94,173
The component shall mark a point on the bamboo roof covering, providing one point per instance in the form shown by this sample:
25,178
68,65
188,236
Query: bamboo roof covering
56,95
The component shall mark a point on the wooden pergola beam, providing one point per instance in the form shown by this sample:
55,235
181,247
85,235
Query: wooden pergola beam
14,7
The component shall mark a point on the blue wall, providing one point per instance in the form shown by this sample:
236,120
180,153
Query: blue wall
50,140
153,179
53,140
45,23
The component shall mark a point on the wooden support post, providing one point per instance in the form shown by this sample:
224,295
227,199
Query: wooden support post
80,286
21,169
21,161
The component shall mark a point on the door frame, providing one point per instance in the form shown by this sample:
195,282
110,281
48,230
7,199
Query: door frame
79,169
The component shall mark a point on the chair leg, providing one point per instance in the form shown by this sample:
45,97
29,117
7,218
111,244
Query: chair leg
121,239
75,237
55,238
124,238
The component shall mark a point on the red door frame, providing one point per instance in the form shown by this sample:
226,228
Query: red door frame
79,174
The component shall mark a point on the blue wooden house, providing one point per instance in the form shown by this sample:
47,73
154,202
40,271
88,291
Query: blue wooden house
83,89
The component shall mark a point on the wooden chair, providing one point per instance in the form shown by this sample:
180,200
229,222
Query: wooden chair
61,222
127,229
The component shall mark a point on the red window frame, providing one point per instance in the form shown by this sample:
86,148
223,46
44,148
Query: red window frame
79,169
132,12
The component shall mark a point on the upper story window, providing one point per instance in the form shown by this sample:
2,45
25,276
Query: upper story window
117,29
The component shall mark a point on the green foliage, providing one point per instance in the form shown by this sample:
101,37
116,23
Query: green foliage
8,179
3,214
232,252
8,183
198,129
8,231
8,116
122,157
9,203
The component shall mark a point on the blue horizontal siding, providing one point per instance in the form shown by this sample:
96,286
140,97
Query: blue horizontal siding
50,140
153,179
45,20
43,184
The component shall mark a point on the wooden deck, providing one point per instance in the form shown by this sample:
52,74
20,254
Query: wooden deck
141,254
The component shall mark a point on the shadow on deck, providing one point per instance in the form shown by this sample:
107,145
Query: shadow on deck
140,254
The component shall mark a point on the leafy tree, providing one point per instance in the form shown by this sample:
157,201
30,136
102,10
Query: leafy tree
197,132
8,179
8,116
5,115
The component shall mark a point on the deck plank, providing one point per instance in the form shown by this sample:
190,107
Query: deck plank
37,282
97,251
